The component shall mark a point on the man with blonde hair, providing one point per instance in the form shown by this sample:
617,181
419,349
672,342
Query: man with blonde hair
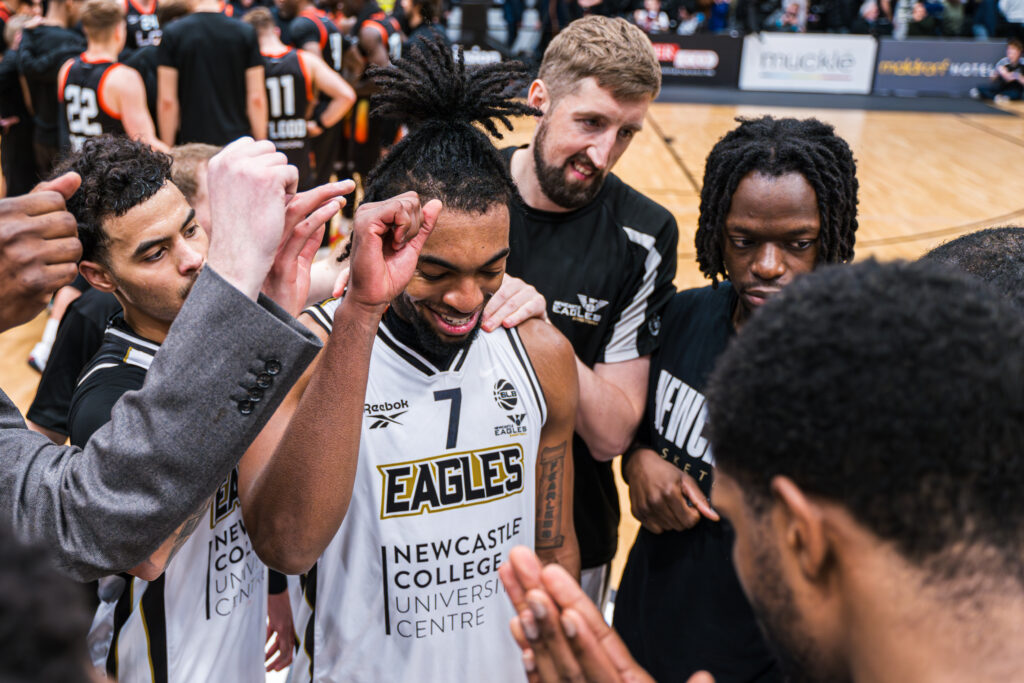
188,173
595,83
98,94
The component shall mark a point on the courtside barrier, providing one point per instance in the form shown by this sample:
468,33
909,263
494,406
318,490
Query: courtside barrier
935,67
826,63
699,59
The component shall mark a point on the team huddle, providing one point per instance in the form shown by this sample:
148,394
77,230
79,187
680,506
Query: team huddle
432,421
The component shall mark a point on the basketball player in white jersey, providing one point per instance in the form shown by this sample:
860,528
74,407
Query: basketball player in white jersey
204,618
462,439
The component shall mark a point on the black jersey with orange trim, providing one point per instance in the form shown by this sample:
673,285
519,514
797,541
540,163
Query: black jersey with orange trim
314,26
289,92
143,26
81,96
389,29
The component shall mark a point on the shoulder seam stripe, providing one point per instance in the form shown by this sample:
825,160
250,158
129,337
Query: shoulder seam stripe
409,350
407,356
320,317
520,351
150,346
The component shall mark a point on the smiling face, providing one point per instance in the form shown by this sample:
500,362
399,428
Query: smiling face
580,137
152,258
460,268
770,236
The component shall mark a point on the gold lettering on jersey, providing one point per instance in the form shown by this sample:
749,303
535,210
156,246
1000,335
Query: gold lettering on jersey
225,499
450,481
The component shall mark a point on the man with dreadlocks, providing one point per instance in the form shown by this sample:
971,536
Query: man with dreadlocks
465,445
779,197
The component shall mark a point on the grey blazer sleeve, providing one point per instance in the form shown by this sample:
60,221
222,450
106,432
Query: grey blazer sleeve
225,366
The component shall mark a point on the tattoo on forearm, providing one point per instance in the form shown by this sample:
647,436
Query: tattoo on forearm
549,498
187,528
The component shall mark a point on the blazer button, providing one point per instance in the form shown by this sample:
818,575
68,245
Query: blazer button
264,380
255,394
245,407
273,367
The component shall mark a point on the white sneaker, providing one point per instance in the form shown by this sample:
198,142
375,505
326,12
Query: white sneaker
1000,99
974,93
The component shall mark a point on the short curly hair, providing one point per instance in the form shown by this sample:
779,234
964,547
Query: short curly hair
895,390
996,255
117,174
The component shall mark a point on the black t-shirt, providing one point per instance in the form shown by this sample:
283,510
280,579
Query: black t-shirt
119,366
12,99
211,53
144,61
606,271
680,607
78,338
423,33
42,52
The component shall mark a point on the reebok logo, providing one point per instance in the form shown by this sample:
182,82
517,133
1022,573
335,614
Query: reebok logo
387,413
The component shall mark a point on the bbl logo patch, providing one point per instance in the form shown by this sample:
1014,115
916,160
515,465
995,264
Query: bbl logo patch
505,395
449,481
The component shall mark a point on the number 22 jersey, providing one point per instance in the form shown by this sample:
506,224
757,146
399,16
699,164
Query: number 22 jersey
408,588
81,96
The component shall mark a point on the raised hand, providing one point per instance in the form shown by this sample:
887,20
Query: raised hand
250,184
386,241
305,221
39,249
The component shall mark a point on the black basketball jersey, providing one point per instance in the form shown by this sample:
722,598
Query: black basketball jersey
81,97
143,26
289,92
313,25
390,32
119,365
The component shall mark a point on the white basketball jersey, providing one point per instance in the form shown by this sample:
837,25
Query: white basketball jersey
408,589
204,619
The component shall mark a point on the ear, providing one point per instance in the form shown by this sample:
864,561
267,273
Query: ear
97,276
801,523
539,96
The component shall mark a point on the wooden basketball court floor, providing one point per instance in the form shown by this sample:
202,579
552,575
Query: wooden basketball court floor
924,179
